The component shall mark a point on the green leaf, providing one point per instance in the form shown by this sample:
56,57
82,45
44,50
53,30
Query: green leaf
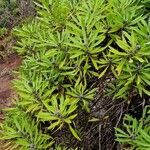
122,91
121,131
22,142
103,72
117,52
54,125
130,80
74,133
76,54
94,63
146,92
93,119
72,117
46,116
123,45
120,66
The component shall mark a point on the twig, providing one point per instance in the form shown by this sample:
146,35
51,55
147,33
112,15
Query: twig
121,112
100,137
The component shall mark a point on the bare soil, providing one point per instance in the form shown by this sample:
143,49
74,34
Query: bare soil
7,66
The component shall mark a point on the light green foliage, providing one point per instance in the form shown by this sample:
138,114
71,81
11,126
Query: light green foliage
135,132
31,36
86,34
69,45
32,92
54,12
24,134
82,94
132,66
123,14
59,111
2,31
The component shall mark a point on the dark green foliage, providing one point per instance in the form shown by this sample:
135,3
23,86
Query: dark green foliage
8,8
12,12
135,132
65,48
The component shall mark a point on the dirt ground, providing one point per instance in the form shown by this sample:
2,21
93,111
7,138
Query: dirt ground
9,64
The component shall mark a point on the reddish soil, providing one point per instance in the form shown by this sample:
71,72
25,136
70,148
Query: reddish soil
6,94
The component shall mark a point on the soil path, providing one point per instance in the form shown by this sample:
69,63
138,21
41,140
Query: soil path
6,93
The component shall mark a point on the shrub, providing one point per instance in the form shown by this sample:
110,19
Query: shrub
65,48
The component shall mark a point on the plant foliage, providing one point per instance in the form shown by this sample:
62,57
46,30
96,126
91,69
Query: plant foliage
66,47
135,132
